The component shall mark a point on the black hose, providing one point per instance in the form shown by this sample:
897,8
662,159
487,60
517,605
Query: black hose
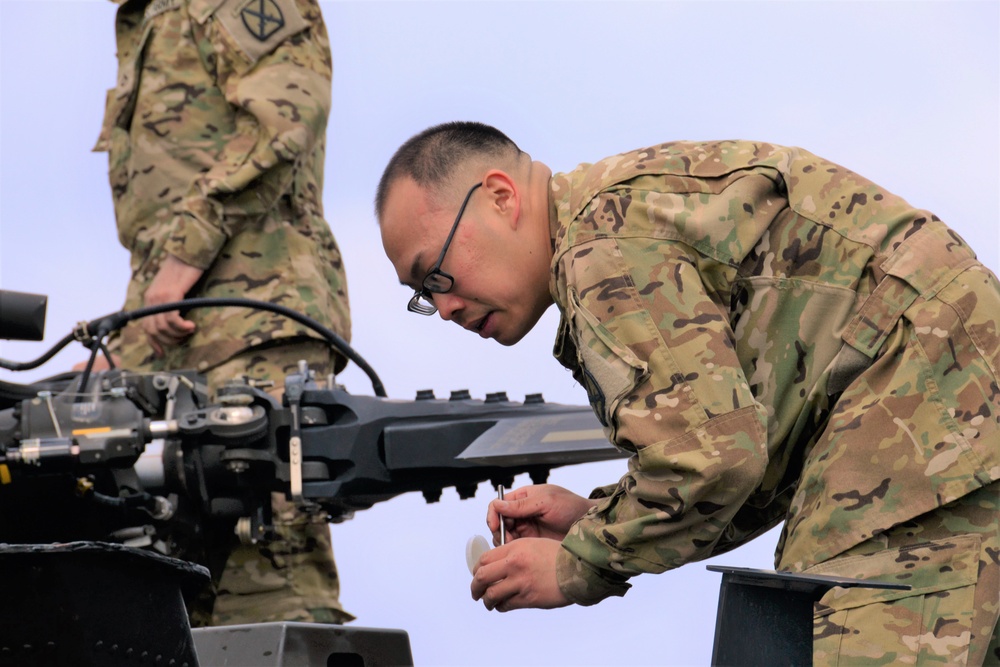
114,321
28,365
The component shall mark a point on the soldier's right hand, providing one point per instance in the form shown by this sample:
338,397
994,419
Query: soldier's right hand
172,283
541,510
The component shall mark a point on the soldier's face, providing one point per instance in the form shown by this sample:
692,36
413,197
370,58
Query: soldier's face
499,291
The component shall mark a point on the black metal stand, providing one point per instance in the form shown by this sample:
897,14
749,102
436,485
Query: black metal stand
765,617
301,645
92,604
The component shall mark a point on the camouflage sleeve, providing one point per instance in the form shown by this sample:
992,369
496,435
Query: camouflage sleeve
658,360
275,69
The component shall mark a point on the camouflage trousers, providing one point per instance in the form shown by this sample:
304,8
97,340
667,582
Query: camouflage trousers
294,577
951,559
921,422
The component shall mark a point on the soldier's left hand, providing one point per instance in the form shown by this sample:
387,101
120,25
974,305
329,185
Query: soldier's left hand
519,575
171,283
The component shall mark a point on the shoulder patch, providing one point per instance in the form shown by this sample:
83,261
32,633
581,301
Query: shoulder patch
259,26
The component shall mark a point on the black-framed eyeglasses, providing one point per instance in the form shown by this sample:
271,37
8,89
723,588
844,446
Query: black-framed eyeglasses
437,281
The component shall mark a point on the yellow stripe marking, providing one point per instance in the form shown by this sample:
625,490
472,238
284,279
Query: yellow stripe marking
563,436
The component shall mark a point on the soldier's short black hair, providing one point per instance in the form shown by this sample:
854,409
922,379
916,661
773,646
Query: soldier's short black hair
430,157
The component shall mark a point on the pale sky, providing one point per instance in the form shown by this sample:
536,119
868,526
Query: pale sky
904,93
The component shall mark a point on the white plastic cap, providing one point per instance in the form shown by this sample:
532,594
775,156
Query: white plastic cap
474,549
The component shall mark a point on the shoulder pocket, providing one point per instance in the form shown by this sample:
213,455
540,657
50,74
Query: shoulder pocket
608,369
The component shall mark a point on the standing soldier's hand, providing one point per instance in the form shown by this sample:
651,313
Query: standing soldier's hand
172,283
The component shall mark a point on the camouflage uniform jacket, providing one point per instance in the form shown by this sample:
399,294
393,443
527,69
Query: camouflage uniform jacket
215,133
715,298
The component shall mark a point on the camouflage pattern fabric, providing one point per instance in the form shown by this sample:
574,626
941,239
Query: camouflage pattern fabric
773,337
216,139
948,616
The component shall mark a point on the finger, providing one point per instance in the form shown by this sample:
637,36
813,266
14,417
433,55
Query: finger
159,340
477,588
518,493
506,605
167,331
507,508
157,349
485,573
511,529
492,518
177,326
502,596
490,558
154,326
522,508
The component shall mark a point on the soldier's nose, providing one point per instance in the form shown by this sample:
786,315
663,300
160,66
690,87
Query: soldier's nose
448,305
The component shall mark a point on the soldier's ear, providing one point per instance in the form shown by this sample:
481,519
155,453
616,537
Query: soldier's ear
505,197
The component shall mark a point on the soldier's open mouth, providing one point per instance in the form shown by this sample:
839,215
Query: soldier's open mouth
483,327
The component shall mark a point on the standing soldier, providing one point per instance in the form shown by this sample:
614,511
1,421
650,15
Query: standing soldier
216,139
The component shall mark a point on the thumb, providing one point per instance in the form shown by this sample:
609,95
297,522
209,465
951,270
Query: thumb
516,509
